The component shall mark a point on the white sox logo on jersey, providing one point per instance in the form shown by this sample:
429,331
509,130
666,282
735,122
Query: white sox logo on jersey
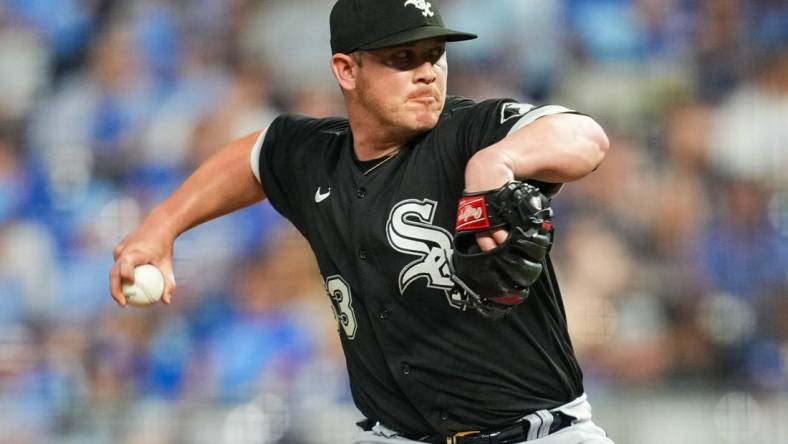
425,6
409,230
511,110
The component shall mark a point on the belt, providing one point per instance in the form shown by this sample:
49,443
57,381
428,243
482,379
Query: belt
534,426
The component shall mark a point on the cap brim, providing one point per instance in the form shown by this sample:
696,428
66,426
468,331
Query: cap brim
420,33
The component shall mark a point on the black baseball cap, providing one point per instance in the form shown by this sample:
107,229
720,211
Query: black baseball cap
372,24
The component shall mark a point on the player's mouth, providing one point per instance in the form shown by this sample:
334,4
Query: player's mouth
424,96
424,100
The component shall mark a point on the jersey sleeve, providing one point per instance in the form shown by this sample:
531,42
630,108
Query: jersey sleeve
273,164
485,123
475,126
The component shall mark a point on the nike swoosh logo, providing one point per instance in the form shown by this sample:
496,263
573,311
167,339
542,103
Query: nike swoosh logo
321,197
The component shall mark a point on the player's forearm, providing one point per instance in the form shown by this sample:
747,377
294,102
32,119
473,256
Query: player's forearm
557,149
222,184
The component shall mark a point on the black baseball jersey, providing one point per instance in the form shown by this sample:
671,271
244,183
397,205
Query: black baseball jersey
419,361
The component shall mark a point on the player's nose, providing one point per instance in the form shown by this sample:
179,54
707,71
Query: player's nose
425,73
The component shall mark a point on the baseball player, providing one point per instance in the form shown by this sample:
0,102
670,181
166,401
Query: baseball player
430,219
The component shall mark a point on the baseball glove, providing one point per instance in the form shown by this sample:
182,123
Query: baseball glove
498,280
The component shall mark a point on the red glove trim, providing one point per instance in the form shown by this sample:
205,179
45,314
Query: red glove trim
509,300
472,214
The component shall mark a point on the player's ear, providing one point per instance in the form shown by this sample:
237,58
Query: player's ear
345,70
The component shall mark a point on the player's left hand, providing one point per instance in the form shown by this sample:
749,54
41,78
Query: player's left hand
487,240
498,279
488,170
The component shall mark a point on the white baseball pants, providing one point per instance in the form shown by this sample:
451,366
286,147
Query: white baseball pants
582,431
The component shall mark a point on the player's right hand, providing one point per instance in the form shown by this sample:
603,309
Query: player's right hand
148,244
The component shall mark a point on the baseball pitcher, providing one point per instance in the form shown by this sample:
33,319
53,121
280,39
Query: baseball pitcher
430,217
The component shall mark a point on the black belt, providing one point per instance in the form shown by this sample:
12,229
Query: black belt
533,425
515,433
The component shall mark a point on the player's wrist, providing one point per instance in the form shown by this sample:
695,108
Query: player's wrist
487,170
162,223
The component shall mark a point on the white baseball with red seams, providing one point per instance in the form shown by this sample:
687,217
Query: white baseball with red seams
148,286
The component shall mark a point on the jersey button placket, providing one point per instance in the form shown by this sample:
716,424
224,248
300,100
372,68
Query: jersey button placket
383,314
362,254
361,192
405,369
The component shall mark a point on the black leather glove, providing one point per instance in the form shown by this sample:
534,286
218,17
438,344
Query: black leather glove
498,280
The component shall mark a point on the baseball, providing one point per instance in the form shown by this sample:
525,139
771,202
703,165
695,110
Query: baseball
147,288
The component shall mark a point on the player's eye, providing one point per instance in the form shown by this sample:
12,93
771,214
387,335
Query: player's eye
407,58
402,60
436,54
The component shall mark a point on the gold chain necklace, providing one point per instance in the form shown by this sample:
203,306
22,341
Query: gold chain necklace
385,159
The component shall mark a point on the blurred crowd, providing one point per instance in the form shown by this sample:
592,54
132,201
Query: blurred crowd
673,256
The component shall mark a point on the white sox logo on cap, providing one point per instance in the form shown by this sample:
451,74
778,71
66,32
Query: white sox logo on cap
375,24
424,5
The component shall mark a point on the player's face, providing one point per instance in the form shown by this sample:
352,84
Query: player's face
405,86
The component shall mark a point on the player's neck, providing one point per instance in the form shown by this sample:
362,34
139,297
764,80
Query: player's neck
372,144
372,137
374,152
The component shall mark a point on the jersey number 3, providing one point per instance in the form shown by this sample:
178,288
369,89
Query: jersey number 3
341,299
